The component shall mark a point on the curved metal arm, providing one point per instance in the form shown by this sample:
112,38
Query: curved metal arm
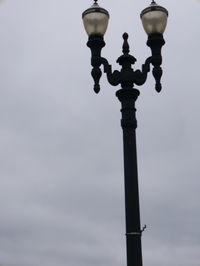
127,77
140,77
113,78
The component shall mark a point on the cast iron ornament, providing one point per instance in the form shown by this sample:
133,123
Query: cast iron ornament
127,77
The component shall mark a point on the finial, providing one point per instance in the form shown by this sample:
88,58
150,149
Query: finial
125,45
153,2
95,1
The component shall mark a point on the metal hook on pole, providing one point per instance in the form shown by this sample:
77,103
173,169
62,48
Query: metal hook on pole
144,228
137,233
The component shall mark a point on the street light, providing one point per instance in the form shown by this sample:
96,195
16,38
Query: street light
154,20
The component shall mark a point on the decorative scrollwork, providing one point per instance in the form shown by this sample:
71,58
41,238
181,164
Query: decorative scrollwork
127,77
113,77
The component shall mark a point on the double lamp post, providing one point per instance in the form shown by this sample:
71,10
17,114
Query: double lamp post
154,20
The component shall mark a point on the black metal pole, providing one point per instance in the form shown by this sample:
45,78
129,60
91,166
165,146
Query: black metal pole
128,97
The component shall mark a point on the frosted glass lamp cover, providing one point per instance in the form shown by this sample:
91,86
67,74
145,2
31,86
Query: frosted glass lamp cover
95,20
154,19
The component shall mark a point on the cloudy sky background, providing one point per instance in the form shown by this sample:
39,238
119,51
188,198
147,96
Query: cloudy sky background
61,165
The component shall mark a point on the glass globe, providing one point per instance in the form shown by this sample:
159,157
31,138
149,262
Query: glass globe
95,20
154,19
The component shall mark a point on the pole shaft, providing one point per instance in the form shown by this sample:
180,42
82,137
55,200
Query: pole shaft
128,98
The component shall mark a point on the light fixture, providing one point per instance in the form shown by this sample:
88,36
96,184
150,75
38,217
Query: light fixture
95,20
154,19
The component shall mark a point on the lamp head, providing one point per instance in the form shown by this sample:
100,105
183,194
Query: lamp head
154,19
95,20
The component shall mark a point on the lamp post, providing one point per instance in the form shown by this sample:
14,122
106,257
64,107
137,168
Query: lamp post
154,20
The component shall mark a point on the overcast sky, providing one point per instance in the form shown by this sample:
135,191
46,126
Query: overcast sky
61,165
